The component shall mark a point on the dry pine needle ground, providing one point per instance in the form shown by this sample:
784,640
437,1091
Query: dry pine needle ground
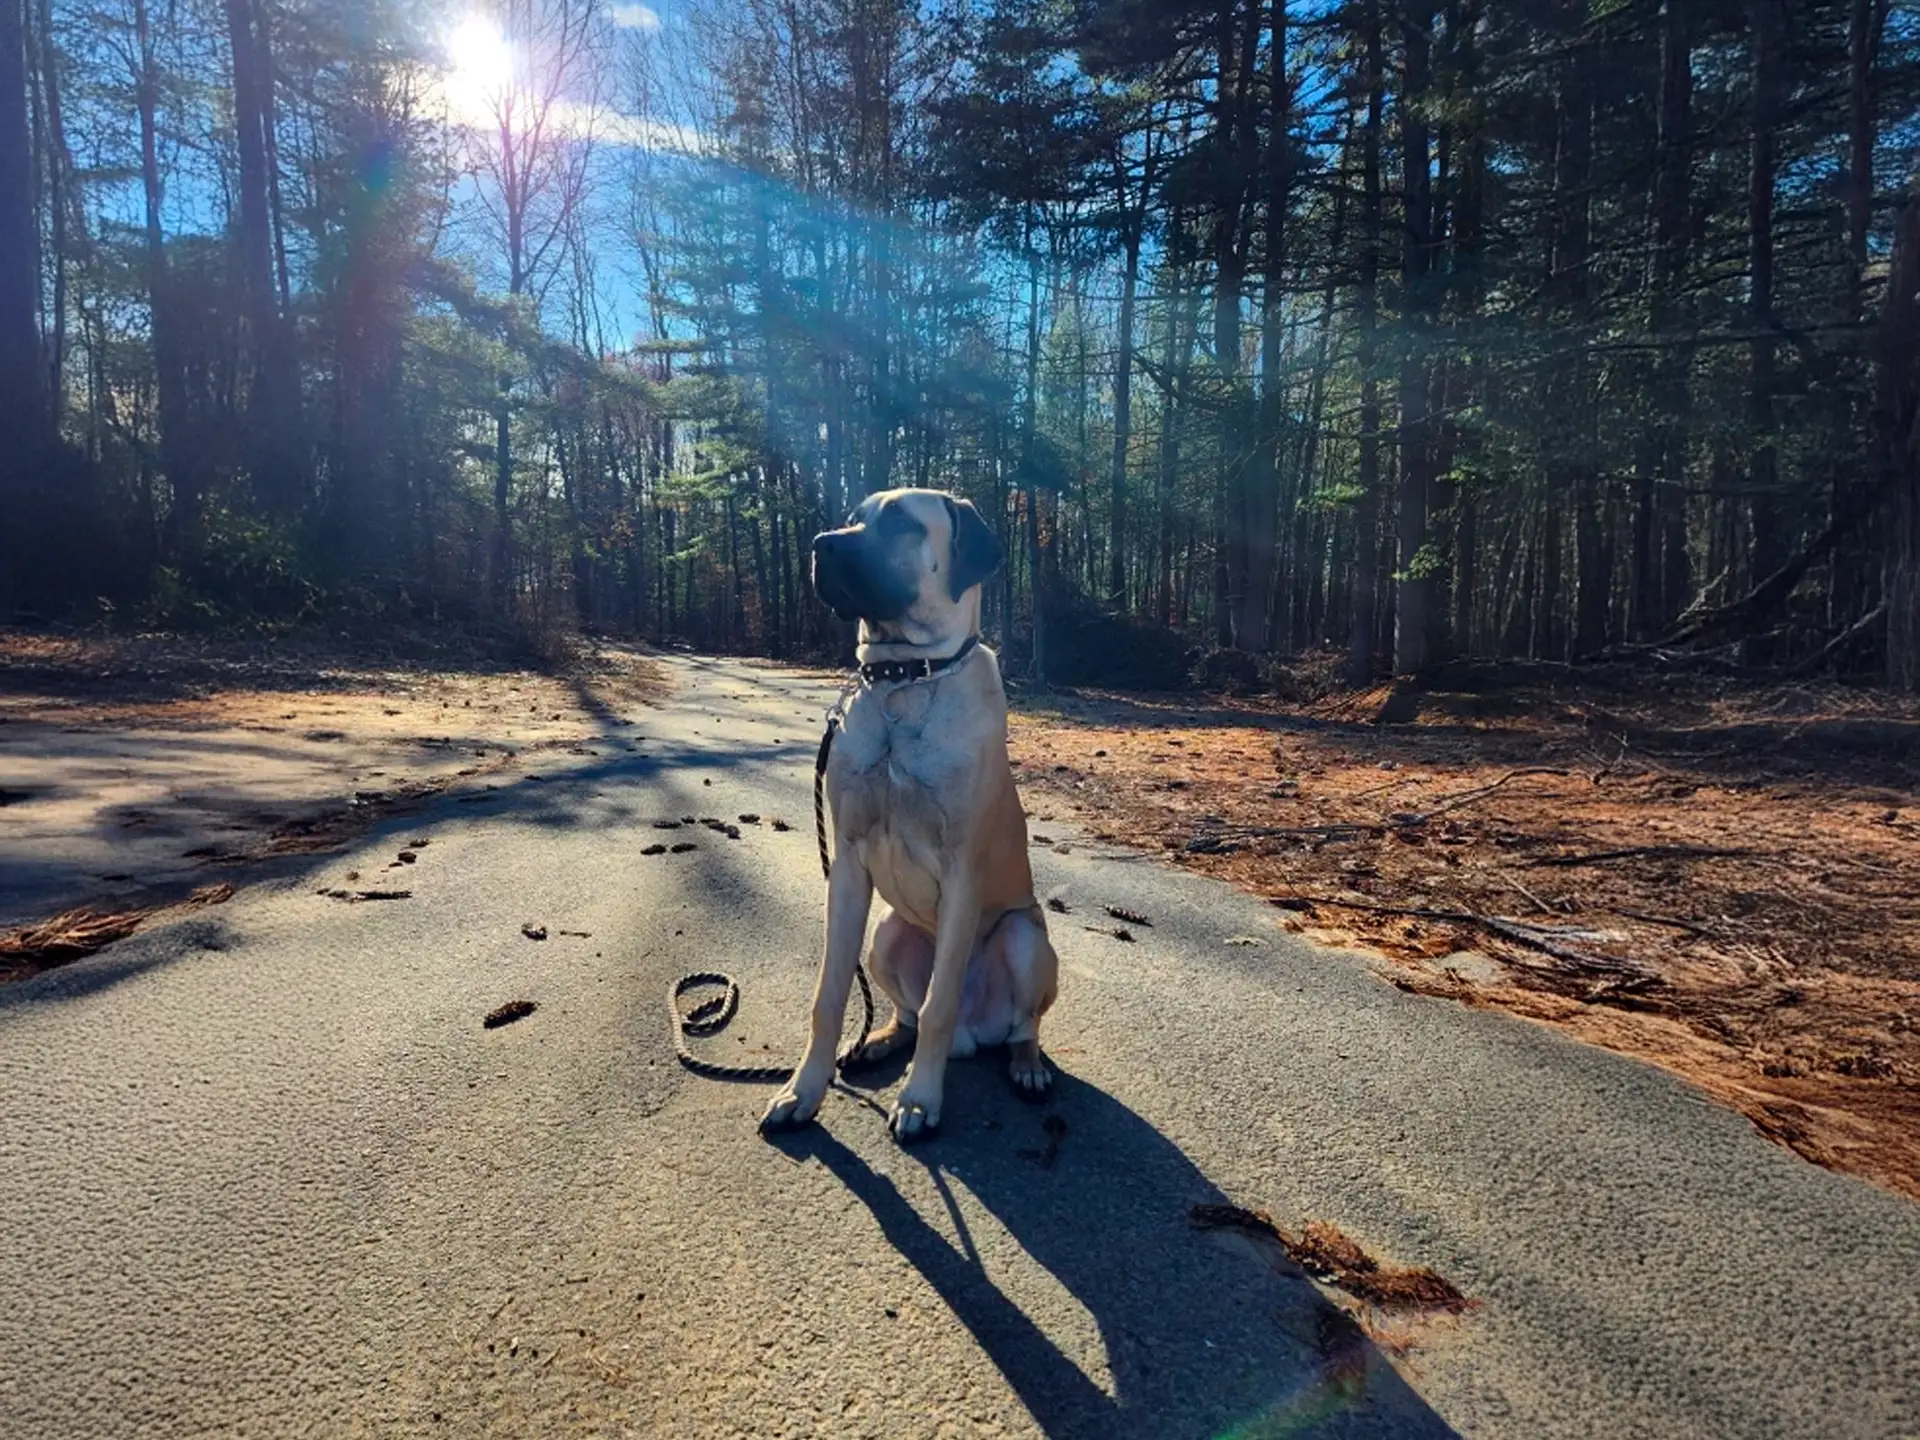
1721,879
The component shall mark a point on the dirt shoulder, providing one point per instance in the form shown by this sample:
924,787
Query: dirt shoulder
1722,878
138,772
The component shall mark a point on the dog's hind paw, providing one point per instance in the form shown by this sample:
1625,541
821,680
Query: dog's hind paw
881,1045
1031,1075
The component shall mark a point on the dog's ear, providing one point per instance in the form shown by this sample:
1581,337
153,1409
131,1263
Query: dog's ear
977,552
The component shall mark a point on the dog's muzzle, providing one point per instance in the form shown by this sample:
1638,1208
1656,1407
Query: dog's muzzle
846,575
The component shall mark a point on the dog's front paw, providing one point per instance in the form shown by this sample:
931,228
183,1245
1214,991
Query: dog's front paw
913,1119
794,1106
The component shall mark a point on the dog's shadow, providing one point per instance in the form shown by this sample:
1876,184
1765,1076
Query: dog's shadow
1202,1336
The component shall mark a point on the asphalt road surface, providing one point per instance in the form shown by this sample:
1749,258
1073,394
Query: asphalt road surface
262,1171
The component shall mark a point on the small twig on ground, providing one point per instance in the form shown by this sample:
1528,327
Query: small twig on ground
1520,933
1217,836
1418,912
1538,903
1534,938
1665,852
1668,920
1469,797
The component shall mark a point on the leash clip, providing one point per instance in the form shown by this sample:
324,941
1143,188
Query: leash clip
838,710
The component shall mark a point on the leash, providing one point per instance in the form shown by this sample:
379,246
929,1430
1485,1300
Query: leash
711,1016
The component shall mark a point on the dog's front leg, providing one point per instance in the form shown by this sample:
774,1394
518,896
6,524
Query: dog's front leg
916,1113
849,895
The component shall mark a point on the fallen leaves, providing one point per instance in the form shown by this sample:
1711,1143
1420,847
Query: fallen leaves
77,933
1329,1254
69,936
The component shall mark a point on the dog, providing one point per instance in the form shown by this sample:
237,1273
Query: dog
925,812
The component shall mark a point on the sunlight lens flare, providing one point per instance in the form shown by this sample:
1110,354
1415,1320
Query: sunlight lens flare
479,64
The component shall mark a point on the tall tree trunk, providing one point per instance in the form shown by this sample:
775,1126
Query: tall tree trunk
764,582
1234,127
25,418
1897,447
503,586
1546,642
1029,463
1122,422
271,405
1310,620
1366,553
1577,474
1849,592
1415,586
61,203
178,452
1672,192
1260,515
1176,357
1467,284
1866,21
1767,542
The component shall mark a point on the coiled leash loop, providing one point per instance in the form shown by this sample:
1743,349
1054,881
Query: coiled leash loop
711,1015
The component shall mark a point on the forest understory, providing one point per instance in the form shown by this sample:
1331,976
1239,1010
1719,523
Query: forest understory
1721,877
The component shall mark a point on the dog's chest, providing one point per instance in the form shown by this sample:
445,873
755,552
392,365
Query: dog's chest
887,780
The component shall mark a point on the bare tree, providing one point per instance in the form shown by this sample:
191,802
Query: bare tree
530,151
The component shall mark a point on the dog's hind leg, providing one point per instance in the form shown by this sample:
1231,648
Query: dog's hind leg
1034,971
901,961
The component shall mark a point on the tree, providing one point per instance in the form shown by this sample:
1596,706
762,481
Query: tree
530,148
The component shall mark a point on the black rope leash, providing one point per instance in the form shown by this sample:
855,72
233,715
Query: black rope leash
711,1015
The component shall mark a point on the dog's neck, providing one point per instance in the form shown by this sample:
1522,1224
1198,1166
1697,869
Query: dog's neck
911,640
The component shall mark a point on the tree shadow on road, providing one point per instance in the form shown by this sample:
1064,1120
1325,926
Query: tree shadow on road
1201,1337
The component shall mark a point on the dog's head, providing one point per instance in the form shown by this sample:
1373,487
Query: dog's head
905,556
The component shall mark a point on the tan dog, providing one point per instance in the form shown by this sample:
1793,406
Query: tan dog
925,812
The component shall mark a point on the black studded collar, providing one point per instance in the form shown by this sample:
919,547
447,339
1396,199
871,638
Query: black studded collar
887,672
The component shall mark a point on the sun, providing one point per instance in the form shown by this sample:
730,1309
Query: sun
479,66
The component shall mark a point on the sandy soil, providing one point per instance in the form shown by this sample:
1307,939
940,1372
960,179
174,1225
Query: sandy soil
1719,878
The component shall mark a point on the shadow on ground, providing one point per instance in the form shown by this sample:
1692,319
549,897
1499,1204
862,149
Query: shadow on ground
1202,1335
